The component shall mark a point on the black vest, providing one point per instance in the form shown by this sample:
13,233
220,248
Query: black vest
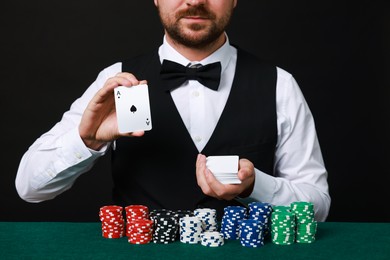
158,169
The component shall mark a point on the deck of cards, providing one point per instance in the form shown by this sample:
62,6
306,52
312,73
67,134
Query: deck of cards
133,108
224,168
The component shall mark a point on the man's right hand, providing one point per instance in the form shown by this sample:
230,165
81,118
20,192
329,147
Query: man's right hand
99,124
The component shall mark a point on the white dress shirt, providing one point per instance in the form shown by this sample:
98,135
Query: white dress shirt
55,160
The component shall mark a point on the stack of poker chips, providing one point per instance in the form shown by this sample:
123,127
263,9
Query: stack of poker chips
113,224
139,228
135,212
283,226
306,225
251,233
165,226
261,212
190,230
232,215
212,239
140,231
208,217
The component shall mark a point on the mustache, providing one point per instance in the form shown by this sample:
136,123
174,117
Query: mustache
200,10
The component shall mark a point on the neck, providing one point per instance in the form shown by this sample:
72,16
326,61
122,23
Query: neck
197,54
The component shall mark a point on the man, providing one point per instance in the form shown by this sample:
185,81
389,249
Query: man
256,112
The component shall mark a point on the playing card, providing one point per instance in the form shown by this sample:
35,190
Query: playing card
224,168
133,108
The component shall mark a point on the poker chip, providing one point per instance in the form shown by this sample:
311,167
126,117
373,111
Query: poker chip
113,224
251,233
261,211
191,229
140,231
283,226
294,223
208,218
230,221
306,225
133,213
165,226
212,239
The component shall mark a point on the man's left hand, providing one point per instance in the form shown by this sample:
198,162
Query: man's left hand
212,187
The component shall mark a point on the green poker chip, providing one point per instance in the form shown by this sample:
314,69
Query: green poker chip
293,223
306,225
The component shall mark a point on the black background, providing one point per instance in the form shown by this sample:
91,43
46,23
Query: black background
338,52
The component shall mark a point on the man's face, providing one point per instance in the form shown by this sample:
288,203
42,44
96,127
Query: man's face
195,23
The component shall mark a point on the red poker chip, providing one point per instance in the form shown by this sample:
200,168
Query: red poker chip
114,223
140,231
137,208
138,228
113,214
110,208
141,223
140,235
106,216
111,221
112,235
113,230
139,242
136,212
107,231
137,238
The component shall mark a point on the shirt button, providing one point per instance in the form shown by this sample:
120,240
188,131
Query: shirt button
78,156
195,93
198,139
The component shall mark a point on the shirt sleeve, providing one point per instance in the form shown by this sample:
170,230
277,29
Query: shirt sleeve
56,159
299,171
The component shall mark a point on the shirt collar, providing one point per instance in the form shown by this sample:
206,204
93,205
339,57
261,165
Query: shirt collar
223,55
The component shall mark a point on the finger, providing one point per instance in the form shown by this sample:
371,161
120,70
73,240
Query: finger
246,174
246,170
133,134
131,78
121,79
111,84
220,190
128,76
200,175
200,168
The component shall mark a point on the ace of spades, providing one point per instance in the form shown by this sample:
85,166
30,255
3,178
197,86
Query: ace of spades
133,108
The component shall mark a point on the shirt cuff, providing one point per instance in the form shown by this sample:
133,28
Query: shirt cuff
263,190
74,150
265,187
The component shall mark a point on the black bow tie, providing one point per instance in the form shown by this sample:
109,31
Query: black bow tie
174,74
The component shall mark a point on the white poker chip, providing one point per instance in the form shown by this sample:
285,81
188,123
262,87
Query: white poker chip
212,239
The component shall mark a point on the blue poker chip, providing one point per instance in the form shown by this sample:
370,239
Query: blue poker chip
251,233
230,221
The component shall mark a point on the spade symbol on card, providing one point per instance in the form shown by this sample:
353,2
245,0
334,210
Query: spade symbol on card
147,121
118,94
133,109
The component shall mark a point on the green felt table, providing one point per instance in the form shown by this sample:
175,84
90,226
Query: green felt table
64,240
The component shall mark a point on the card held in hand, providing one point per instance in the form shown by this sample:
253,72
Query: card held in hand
224,168
133,108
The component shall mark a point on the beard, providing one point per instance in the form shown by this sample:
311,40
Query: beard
195,35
